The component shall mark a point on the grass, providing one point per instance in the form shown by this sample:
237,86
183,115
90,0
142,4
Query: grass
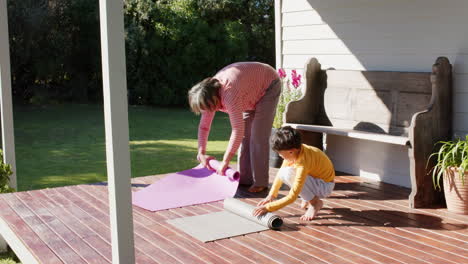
65,144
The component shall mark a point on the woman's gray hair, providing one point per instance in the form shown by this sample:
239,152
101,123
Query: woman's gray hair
204,95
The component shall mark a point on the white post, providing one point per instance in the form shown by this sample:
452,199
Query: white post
278,35
8,138
117,135
6,108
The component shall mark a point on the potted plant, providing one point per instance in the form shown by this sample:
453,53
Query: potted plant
290,91
452,166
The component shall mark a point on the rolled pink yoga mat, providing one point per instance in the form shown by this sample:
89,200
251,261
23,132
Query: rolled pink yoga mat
195,186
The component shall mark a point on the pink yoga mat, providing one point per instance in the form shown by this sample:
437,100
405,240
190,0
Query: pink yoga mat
189,187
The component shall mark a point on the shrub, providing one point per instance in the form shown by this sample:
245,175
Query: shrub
5,172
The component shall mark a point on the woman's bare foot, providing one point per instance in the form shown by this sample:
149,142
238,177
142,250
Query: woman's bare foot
311,213
304,205
256,189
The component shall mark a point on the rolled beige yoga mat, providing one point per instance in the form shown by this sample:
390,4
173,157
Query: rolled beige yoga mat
235,220
245,210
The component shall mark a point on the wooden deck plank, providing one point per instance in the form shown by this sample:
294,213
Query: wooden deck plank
358,221
415,235
146,241
54,242
424,222
358,254
337,238
415,240
289,235
285,251
80,210
75,224
349,255
236,246
181,212
166,245
412,239
393,189
339,228
184,242
376,224
416,254
397,218
145,252
400,204
30,239
34,202
317,254
213,248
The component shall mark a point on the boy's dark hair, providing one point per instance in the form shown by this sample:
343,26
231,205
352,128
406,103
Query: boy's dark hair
286,138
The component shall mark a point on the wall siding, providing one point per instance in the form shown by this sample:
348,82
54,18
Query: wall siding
380,35
394,35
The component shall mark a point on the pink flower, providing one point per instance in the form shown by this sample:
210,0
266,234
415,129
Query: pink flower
282,73
296,79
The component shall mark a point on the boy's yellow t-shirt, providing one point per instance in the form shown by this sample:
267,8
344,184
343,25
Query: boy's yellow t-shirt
310,161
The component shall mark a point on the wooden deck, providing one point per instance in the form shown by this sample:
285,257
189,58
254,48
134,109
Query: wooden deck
362,222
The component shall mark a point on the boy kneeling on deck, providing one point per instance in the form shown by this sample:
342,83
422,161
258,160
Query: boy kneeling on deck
306,170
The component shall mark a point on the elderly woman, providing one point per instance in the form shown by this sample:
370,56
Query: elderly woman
248,92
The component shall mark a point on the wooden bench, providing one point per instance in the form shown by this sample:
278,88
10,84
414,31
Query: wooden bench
412,109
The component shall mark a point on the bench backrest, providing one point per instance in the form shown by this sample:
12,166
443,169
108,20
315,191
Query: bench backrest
374,101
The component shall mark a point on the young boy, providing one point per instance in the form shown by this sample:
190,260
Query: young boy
306,169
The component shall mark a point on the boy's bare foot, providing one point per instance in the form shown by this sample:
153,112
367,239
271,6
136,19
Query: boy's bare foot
256,189
311,213
304,205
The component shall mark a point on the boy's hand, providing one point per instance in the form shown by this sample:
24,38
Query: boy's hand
259,211
268,199
204,160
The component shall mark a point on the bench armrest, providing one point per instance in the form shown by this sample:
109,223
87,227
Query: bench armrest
427,128
306,109
436,119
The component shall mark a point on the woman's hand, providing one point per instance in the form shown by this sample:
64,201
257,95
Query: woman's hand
204,160
267,199
259,211
222,168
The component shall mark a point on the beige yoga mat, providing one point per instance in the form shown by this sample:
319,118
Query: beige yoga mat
235,220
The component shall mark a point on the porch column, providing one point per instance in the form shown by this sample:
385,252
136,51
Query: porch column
6,106
278,35
117,135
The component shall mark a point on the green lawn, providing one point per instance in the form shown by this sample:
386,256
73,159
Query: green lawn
65,145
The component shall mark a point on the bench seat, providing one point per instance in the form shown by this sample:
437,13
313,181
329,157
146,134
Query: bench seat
385,138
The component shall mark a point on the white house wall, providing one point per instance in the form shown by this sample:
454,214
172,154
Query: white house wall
396,35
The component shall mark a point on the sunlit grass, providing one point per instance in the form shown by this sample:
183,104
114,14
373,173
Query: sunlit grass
65,145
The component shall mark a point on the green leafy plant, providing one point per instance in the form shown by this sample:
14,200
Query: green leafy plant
452,154
288,93
5,172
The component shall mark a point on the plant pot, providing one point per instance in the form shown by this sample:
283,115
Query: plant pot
456,193
275,159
